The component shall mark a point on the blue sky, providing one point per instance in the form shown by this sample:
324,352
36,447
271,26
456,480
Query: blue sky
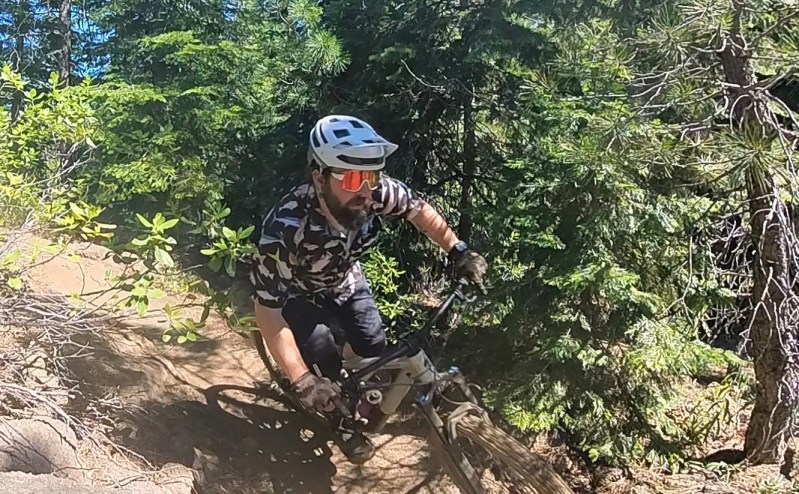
85,30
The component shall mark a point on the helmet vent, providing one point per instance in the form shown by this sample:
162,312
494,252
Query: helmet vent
315,139
356,124
353,160
341,133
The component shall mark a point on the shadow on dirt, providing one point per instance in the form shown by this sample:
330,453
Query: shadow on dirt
165,404
238,446
242,439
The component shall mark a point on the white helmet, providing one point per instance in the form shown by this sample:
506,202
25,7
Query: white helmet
341,141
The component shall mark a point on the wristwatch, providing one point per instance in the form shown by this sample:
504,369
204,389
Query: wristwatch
457,249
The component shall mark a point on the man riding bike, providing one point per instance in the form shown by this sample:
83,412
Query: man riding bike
307,274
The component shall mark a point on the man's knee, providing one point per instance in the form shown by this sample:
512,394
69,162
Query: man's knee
369,343
366,334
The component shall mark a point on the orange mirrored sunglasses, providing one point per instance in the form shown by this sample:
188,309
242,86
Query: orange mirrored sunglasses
352,180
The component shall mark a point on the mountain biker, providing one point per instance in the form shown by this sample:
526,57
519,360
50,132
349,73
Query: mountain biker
306,273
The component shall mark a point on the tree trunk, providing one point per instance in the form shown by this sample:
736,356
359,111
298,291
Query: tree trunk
22,26
469,166
773,328
65,50
774,319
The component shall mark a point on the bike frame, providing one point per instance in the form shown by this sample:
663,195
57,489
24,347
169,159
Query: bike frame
410,360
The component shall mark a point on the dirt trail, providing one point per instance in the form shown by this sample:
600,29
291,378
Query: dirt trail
208,405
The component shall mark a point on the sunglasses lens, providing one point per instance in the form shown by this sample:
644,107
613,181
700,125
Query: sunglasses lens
354,179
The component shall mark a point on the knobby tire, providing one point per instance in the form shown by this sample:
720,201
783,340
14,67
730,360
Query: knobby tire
531,473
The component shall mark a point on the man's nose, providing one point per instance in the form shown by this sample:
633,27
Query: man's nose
365,190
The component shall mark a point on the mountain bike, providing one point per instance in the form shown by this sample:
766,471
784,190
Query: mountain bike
477,455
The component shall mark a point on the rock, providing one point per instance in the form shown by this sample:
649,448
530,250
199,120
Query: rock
39,446
204,465
141,487
26,483
174,478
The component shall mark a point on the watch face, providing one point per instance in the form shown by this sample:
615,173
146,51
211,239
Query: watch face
460,247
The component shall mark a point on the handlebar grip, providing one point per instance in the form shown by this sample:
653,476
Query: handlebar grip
462,283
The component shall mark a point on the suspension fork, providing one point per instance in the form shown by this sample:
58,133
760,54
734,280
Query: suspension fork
415,369
463,386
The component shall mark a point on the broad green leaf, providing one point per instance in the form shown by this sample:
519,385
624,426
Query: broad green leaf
10,258
139,291
14,283
230,266
77,210
166,337
141,306
144,221
181,339
215,264
208,252
139,241
247,232
14,179
229,234
163,257
155,293
169,224
191,336
52,248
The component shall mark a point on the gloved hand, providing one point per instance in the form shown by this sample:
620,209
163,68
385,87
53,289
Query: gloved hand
318,393
470,265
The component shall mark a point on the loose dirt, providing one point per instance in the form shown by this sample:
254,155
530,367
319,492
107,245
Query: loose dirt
204,416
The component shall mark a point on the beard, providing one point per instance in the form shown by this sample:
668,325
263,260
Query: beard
351,214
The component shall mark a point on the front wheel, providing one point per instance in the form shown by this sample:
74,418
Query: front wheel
484,459
503,464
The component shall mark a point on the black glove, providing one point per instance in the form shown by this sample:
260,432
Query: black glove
318,393
469,264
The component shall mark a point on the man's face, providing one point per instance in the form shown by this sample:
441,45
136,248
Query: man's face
351,209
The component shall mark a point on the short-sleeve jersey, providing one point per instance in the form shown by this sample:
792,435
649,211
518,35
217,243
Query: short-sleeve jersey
300,253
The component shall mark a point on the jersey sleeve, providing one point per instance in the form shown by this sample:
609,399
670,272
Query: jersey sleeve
393,198
272,264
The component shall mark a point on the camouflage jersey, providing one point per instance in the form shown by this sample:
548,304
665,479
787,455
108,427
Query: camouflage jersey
300,253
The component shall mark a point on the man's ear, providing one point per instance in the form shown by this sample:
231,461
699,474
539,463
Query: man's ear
316,174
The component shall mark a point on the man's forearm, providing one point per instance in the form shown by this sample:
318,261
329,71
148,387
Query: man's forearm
432,224
280,341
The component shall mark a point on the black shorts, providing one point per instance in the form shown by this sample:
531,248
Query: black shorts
314,323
